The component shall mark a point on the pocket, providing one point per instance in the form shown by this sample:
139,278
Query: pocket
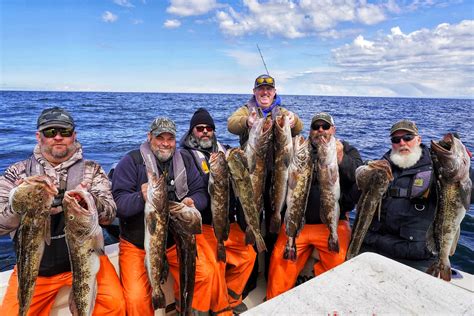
412,234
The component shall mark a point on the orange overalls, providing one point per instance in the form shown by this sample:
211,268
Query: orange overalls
109,300
283,273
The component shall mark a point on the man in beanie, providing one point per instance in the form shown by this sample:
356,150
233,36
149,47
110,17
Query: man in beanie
201,141
58,159
264,103
314,234
184,184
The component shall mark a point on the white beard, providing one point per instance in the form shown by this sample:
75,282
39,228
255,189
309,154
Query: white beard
406,161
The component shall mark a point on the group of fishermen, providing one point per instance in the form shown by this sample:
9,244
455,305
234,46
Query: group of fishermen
408,208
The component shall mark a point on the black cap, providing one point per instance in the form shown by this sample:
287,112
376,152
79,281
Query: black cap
55,117
264,80
201,116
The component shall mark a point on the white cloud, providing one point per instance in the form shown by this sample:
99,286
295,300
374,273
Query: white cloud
109,17
172,24
124,3
244,58
137,21
191,7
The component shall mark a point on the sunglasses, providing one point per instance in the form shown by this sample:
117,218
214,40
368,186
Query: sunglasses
201,129
406,138
268,80
325,126
52,132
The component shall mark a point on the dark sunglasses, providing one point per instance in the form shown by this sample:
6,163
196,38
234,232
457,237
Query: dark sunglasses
201,129
53,131
325,126
268,80
406,138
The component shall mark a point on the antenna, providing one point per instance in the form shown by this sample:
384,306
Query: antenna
263,60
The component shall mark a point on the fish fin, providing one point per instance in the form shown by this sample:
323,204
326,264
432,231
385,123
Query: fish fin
430,239
445,271
158,298
455,242
221,256
165,271
433,269
47,231
333,244
260,243
275,223
249,236
292,180
290,250
151,223
72,305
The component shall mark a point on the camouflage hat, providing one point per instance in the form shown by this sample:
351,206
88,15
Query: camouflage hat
323,117
162,125
264,80
404,125
55,117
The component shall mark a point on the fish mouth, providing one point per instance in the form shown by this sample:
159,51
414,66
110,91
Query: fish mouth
444,145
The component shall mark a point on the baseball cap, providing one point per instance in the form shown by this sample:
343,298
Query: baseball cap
264,80
162,125
323,116
55,117
405,125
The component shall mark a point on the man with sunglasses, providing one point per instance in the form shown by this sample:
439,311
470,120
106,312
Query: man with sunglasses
58,155
409,205
201,141
184,184
314,235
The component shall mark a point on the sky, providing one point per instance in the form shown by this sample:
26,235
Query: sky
386,48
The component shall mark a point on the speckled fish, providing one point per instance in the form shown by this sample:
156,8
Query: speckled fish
452,164
237,163
373,180
327,172
156,232
299,182
219,193
185,222
256,149
283,151
85,243
32,199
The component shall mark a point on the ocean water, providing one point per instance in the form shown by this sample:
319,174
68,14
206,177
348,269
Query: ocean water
111,124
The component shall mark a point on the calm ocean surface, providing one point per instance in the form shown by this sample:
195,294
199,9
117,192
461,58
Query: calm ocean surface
111,124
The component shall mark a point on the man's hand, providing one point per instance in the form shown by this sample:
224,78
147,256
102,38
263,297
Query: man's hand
144,190
339,150
291,119
188,202
251,118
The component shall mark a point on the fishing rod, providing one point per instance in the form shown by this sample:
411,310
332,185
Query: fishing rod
263,60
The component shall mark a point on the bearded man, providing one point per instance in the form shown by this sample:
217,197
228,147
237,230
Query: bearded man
408,207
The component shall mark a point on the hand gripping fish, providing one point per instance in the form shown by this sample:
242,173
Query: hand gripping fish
185,222
256,148
32,200
373,180
451,163
299,182
85,243
156,232
282,157
237,163
219,193
327,171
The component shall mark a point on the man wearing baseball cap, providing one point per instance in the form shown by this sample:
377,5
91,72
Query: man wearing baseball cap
314,234
185,185
57,161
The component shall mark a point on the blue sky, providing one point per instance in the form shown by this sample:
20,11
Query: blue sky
408,48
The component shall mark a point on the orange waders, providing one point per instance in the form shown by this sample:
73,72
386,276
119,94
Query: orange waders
283,273
109,300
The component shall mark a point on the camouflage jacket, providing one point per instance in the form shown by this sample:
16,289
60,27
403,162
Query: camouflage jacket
99,187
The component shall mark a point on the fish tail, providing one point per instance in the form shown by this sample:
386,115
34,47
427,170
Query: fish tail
333,243
445,272
221,256
249,236
290,252
158,299
260,242
275,223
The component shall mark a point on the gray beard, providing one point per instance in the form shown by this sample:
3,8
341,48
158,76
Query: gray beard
164,157
406,161
201,144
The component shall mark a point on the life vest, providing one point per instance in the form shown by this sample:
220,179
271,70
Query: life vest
56,255
201,159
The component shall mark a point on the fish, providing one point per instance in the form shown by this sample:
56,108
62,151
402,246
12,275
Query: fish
219,193
85,244
299,183
156,232
32,200
451,164
373,180
283,146
185,223
240,179
256,149
327,171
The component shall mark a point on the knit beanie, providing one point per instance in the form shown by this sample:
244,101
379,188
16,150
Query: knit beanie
201,116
